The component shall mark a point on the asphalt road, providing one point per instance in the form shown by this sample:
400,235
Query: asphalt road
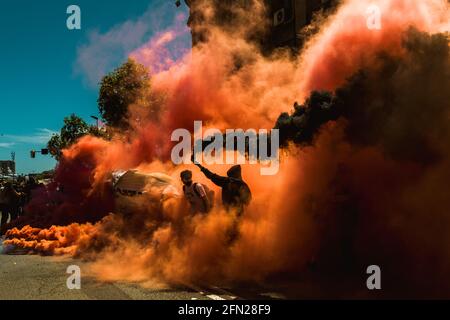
33,277
43,278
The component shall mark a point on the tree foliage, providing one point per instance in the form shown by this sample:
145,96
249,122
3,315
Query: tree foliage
119,90
73,129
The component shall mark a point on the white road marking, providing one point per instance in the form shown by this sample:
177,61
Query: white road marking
215,297
208,292
225,293
273,295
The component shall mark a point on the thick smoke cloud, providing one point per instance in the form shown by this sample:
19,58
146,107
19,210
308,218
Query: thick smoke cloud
400,102
365,181
388,182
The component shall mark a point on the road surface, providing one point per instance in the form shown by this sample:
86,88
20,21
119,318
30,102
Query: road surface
44,278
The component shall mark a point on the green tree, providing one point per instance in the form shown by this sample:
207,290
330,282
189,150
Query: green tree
73,129
120,89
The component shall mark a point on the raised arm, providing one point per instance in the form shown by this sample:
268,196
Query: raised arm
215,178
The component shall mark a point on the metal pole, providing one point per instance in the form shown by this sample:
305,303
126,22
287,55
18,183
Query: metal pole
13,158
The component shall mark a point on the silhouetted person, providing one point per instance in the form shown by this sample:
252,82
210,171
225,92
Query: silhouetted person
11,203
29,187
3,205
198,195
236,194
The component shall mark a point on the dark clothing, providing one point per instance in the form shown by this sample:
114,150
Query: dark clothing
4,210
9,204
14,211
235,192
8,211
199,197
29,187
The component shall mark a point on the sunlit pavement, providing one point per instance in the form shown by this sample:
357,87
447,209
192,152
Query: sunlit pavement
36,277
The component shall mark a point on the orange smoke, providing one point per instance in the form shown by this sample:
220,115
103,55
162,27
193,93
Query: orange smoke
325,213
55,240
346,44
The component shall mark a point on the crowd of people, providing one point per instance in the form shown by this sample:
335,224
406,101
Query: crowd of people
13,198
236,194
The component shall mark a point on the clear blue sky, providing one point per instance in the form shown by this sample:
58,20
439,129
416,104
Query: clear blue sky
49,72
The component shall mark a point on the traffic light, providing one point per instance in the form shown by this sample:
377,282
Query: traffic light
33,154
44,151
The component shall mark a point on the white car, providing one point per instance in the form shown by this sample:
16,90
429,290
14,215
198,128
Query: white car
137,191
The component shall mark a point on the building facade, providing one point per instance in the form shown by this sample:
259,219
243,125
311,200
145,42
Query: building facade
284,19
7,167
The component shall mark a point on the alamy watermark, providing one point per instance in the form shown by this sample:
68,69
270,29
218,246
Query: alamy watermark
241,146
373,20
74,280
374,280
73,22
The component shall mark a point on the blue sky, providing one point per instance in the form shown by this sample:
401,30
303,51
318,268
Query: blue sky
49,72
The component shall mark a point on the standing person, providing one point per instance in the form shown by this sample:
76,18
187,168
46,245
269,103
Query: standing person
200,198
12,203
3,205
29,187
236,194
